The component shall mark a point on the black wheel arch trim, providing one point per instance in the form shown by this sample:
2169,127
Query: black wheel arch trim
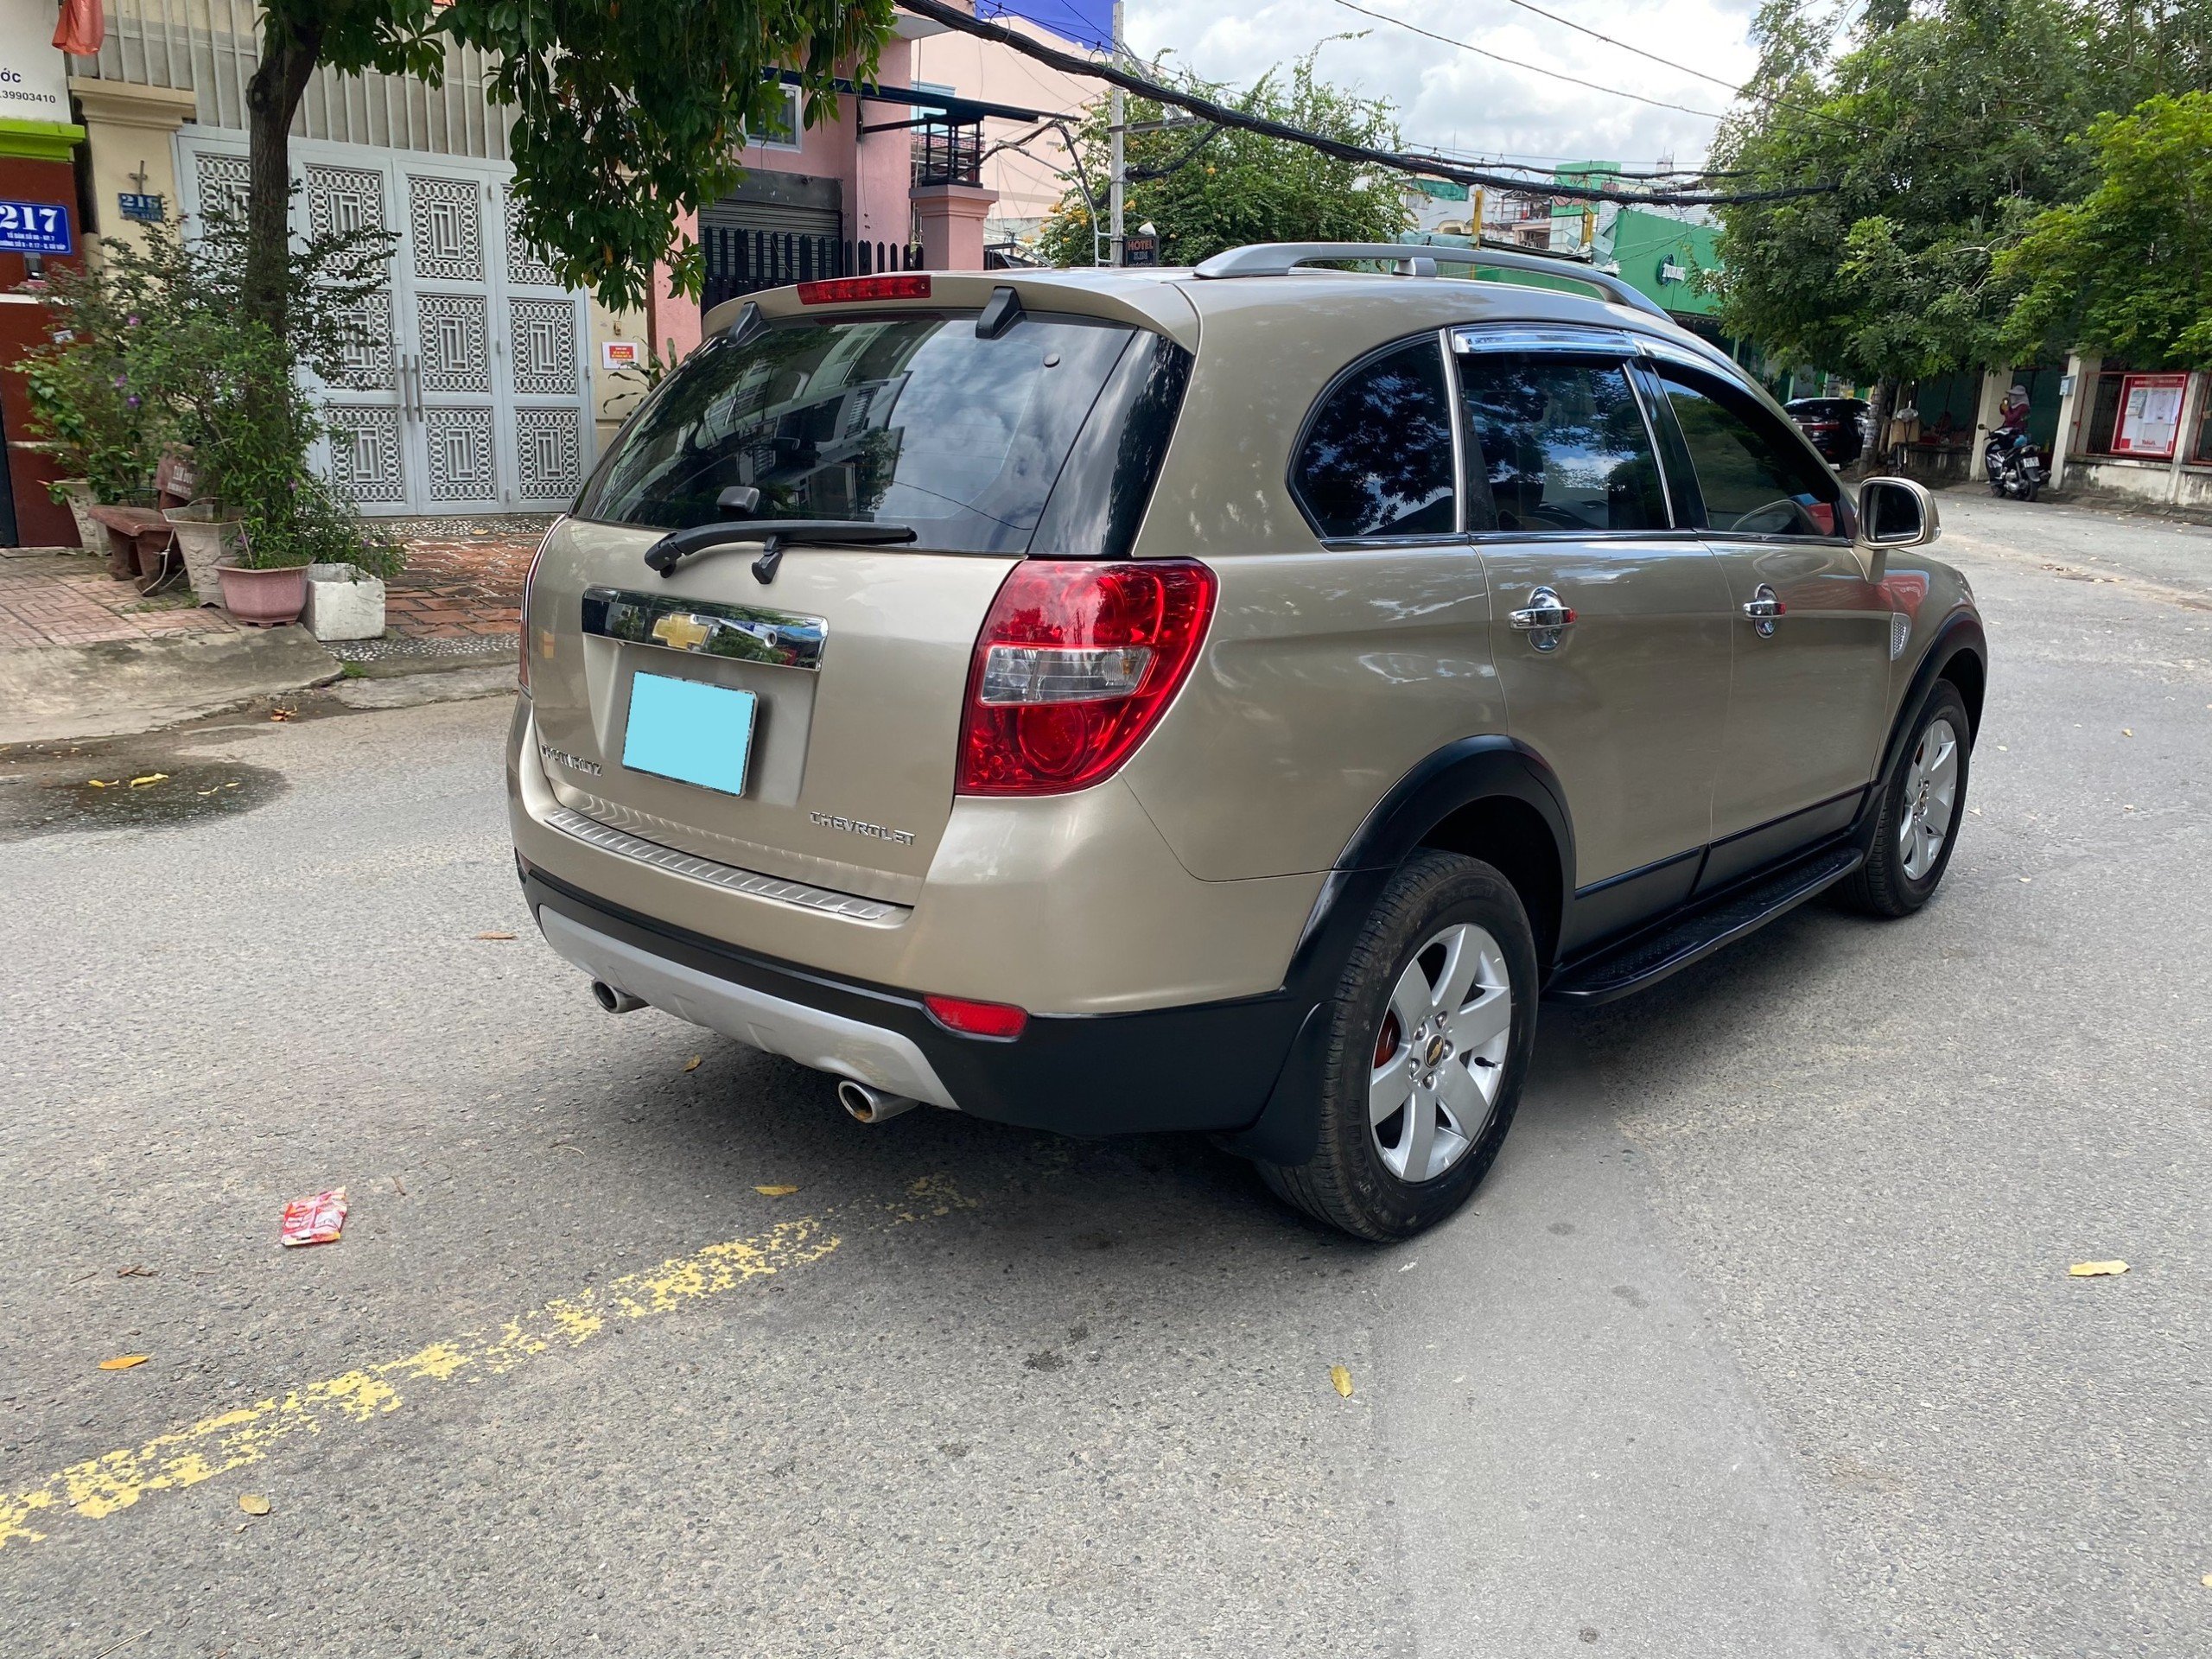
1459,775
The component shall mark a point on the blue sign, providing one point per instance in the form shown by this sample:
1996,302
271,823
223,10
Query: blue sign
35,228
145,210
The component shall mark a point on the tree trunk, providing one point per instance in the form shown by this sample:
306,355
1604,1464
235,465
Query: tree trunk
288,50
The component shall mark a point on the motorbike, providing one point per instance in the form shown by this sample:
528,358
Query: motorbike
2014,470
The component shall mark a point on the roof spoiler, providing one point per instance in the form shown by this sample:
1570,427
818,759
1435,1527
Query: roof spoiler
1418,259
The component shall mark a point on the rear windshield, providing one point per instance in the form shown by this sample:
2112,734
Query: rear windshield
904,419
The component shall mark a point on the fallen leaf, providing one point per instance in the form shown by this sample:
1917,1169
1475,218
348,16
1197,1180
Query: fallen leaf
2096,1269
495,936
151,777
123,1362
253,1502
282,714
775,1192
1342,1378
562,1146
2127,731
2207,1577
99,783
397,1188
692,1064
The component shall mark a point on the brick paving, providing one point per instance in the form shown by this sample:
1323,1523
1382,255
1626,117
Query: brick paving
461,591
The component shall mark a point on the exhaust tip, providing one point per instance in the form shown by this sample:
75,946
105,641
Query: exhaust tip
867,1105
612,1000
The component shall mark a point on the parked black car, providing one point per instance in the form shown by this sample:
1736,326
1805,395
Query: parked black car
1837,426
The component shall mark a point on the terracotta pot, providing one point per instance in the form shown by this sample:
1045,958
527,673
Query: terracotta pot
265,598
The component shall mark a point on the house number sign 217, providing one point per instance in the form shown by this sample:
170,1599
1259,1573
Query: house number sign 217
35,228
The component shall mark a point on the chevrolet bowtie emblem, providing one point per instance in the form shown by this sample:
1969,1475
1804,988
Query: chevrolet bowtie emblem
683,630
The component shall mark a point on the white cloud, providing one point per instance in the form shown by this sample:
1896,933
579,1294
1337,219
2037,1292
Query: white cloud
1448,98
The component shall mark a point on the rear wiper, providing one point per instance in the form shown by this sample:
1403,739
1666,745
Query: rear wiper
774,535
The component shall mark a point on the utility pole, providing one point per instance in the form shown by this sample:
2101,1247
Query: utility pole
1117,118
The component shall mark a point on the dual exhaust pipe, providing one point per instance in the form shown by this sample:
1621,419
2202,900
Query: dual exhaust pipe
866,1105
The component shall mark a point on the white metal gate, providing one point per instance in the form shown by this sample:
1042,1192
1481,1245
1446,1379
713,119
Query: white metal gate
471,392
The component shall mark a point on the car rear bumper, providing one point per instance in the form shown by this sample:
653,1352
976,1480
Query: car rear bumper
1205,1067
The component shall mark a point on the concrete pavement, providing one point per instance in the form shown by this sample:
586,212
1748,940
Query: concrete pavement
1758,1340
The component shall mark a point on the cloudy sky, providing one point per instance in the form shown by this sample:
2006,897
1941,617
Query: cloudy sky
1456,99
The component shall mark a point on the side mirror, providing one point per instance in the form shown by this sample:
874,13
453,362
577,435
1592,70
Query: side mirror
1894,513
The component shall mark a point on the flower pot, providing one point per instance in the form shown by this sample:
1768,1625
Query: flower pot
205,540
343,603
264,599
77,495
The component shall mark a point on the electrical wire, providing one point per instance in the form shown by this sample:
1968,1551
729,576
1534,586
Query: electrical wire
1414,162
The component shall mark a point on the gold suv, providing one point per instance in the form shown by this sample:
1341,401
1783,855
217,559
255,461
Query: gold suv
1221,700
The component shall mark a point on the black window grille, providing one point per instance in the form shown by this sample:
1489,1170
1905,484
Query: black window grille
745,261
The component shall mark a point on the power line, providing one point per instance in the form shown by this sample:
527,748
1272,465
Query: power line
1669,63
1533,68
1428,166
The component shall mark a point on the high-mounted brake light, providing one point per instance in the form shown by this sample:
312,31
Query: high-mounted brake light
1075,662
972,1019
529,579
838,290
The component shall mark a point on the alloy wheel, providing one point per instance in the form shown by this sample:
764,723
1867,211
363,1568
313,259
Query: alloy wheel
1440,1054
1931,792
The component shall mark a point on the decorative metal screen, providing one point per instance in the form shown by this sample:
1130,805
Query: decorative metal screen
368,347
447,218
344,199
524,263
543,333
364,458
547,461
456,342
460,455
222,182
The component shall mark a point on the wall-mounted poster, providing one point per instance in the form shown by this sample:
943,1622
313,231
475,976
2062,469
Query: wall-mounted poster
2150,416
33,77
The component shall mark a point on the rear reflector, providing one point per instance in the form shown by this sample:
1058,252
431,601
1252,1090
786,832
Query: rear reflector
1077,661
839,290
976,1019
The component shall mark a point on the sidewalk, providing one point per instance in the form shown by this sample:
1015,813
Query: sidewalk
82,654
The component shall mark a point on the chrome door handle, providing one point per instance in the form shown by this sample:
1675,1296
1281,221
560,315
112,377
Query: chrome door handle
1547,613
1762,607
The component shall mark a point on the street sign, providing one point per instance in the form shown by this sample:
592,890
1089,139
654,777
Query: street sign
35,228
1139,249
141,209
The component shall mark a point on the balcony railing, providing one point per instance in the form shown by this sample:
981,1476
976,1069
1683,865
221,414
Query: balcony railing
949,152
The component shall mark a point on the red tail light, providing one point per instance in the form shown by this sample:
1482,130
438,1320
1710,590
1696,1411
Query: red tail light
836,290
1075,662
529,579
976,1019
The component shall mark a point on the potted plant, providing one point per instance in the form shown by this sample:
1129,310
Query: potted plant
208,537
86,410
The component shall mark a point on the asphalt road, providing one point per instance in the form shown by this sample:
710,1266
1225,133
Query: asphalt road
1759,1340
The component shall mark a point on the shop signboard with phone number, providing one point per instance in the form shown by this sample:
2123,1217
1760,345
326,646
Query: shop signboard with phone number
35,228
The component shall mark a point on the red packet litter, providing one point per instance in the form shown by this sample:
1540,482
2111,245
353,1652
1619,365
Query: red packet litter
316,1220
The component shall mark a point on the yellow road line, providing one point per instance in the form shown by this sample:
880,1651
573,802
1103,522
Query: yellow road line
234,1440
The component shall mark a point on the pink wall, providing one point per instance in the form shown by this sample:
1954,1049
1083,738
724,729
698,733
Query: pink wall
875,167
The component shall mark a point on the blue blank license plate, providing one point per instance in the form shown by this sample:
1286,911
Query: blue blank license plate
690,731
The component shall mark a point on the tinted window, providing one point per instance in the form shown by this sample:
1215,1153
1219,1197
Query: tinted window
1377,460
1755,476
908,419
1555,443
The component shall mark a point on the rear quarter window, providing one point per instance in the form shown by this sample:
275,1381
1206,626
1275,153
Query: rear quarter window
1376,457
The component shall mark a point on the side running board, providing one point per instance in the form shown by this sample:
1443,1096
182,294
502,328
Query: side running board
1645,958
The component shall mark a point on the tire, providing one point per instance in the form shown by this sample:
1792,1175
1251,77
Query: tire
1384,1181
1902,869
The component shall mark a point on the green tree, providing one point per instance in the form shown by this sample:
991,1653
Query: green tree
1204,190
626,116
1943,134
2128,269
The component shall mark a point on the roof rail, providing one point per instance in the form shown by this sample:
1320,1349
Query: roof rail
1418,259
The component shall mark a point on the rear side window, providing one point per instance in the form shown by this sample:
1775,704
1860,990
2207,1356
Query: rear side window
907,419
1755,476
1377,456
1556,443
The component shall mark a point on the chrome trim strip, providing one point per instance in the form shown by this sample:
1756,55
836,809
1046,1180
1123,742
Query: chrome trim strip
744,633
1473,337
751,883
